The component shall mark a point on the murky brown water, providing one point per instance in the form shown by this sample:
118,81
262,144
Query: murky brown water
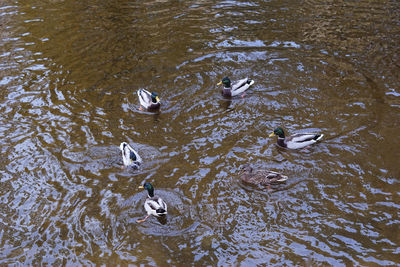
69,72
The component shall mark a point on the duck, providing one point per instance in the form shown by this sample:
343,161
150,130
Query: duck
153,204
130,157
149,101
296,141
235,88
260,177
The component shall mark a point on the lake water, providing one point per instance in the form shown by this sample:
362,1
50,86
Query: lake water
68,77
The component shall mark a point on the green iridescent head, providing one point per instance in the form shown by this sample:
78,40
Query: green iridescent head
154,97
226,82
279,132
149,187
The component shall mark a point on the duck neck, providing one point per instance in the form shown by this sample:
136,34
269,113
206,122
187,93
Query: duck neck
281,141
150,192
227,91
281,135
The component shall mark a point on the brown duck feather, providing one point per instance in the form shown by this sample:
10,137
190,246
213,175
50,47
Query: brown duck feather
260,177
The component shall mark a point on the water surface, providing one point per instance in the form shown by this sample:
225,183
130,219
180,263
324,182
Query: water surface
69,74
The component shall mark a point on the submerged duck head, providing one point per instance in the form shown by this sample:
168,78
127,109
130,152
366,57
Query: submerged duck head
279,132
226,82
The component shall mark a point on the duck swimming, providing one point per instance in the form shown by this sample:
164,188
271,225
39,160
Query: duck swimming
130,157
149,101
260,177
235,88
296,141
153,204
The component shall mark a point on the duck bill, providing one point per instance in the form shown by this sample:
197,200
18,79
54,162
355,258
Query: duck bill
141,187
158,99
219,83
271,135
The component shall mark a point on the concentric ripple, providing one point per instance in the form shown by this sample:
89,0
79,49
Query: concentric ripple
69,73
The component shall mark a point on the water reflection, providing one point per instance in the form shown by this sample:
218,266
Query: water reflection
69,76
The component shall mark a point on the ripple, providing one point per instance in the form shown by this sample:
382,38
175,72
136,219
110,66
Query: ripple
69,76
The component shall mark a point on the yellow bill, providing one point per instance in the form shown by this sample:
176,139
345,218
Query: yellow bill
219,83
158,99
273,134
141,187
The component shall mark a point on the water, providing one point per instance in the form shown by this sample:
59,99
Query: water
69,75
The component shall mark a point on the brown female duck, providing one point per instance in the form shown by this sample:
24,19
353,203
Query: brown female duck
260,177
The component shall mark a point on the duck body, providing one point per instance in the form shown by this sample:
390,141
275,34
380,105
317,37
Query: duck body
130,157
295,141
233,89
153,204
149,101
260,177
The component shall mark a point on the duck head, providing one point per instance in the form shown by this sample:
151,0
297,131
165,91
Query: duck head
149,187
226,82
279,132
246,168
154,97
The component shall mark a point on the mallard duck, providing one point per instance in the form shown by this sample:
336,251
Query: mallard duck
153,205
295,141
236,88
260,177
149,101
129,156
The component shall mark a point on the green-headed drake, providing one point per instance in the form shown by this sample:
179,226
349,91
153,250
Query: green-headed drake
296,141
149,101
236,88
153,204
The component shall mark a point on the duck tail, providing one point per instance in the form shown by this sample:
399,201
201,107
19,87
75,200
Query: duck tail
250,81
318,137
282,178
161,211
